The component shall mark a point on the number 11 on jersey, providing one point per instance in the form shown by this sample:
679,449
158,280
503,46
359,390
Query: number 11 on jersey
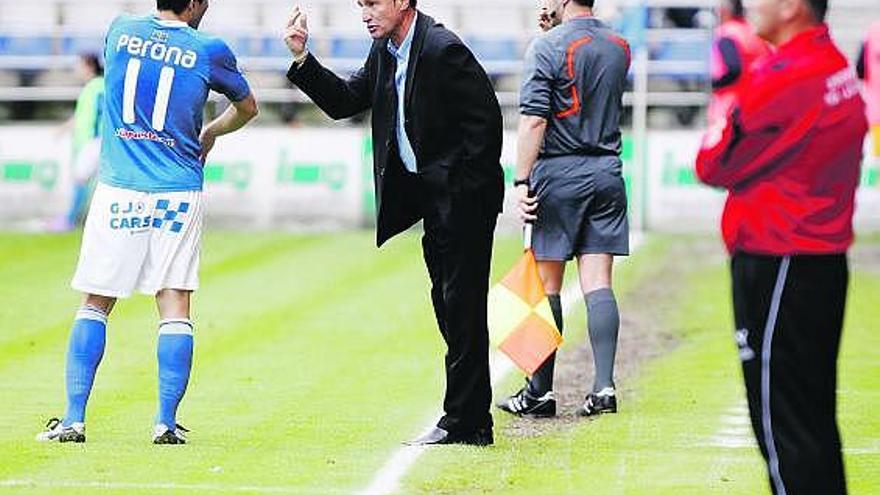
163,94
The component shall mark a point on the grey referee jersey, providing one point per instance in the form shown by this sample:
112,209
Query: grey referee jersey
574,76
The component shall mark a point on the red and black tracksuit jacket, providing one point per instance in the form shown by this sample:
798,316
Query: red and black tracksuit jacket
789,153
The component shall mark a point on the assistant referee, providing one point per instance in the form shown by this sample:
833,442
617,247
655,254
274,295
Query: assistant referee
568,156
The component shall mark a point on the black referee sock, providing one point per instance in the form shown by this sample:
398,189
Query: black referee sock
542,380
603,321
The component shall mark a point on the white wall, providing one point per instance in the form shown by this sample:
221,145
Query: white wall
322,178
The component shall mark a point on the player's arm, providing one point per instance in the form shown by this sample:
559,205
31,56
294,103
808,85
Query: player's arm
529,139
727,66
228,80
535,112
337,97
234,118
757,132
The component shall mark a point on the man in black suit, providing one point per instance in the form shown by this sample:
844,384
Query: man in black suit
437,129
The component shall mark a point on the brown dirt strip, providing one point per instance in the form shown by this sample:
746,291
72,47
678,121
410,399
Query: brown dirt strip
646,333
647,312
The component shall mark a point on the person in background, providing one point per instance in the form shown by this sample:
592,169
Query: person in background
735,48
682,17
789,153
86,127
868,68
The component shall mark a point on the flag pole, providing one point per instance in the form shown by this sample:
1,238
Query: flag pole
527,236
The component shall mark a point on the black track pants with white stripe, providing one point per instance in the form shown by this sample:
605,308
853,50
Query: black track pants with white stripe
789,318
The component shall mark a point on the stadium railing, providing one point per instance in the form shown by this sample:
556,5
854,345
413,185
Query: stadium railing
46,35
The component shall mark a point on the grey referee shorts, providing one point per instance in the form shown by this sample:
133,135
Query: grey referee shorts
581,207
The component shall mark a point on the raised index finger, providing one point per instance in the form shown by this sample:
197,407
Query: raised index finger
294,17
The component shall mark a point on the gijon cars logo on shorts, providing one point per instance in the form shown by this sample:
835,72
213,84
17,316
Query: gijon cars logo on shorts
129,215
133,216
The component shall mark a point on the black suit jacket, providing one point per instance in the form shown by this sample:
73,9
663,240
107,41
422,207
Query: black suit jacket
453,122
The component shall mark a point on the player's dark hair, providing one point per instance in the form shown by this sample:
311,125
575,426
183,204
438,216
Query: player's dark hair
819,8
585,3
94,63
176,6
737,8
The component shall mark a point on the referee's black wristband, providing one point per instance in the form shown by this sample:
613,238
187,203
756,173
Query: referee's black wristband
521,182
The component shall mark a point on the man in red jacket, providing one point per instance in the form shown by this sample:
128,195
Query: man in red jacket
789,153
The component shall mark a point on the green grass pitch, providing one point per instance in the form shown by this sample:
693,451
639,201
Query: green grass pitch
316,355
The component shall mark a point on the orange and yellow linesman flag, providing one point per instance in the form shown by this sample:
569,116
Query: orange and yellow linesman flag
521,323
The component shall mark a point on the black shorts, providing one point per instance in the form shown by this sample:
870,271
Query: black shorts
581,207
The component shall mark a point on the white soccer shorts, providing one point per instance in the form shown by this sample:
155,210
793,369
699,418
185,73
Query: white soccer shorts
140,241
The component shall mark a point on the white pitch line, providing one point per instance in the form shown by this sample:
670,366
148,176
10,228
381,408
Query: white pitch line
154,487
387,479
737,442
862,451
737,421
735,431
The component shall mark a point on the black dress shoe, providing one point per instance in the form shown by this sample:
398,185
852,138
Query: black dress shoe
480,437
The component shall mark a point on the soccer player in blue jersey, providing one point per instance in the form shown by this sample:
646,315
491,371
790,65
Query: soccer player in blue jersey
144,226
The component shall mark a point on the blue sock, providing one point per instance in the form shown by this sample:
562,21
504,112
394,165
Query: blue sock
175,351
84,353
80,197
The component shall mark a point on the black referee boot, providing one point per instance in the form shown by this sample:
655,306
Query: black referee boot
603,402
524,404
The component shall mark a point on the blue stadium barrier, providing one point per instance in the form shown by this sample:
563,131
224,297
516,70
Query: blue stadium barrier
75,44
350,47
682,60
272,46
686,61
632,24
243,45
26,45
495,49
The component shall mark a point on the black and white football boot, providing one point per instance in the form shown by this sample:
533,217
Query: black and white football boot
602,402
162,435
57,432
524,404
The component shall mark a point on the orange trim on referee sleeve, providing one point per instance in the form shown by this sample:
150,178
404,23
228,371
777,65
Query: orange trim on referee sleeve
623,44
575,98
